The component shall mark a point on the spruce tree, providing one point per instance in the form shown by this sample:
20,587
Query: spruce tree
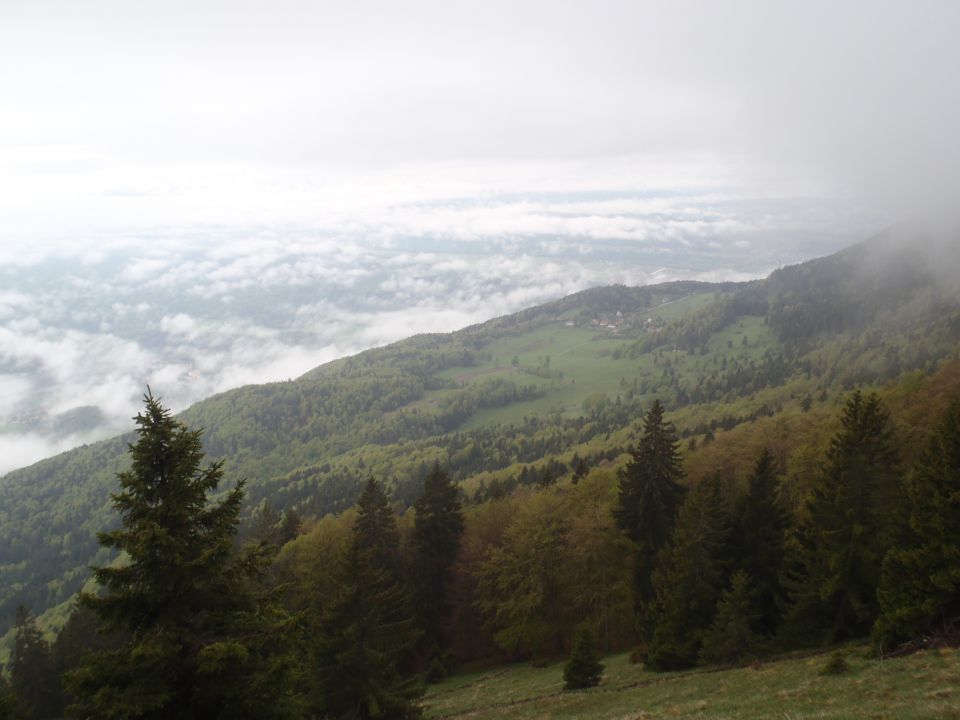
199,643
649,496
583,669
8,710
375,530
289,527
32,676
731,638
757,541
79,637
688,580
920,583
851,520
367,634
438,525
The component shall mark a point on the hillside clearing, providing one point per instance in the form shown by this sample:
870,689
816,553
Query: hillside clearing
924,685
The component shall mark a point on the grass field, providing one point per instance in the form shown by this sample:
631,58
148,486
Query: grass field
924,685
581,362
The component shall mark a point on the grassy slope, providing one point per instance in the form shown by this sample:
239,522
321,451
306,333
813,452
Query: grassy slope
924,685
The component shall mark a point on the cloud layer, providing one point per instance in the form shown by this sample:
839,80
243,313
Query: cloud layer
191,312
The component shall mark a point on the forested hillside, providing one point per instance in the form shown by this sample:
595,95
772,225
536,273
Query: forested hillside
542,395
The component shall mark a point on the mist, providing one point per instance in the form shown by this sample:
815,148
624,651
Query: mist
201,195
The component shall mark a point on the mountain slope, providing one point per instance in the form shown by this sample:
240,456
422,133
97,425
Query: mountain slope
521,389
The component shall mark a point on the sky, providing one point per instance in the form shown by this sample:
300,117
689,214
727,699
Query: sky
120,114
202,194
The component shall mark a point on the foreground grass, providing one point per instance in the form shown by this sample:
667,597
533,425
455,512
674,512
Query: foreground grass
924,685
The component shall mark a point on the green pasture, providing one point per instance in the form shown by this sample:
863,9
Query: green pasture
924,685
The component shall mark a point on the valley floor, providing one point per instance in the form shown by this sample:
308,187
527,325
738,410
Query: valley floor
923,685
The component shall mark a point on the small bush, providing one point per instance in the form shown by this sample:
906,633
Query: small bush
582,669
836,665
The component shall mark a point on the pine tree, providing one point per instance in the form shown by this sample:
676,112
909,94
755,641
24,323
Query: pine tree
688,580
8,709
920,584
200,643
265,523
368,633
852,518
650,495
438,525
375,530
731,638
79,637
32,676
758,541
289,527
583,669
580,469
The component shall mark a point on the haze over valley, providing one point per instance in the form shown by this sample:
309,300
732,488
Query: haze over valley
198,311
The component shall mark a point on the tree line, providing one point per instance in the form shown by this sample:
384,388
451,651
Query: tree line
349,615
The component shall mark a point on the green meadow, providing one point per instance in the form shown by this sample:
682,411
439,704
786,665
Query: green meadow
924,685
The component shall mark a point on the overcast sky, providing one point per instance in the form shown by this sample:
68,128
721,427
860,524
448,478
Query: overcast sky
201,194
127,114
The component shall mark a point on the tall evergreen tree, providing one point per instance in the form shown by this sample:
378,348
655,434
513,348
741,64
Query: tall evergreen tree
689,578
920,583
79,637
289,527
375,530
438,525
368,633
650,495
757,541
33,679
7,700
731,637
199,644
851,519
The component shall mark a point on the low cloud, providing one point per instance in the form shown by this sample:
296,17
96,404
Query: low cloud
197,311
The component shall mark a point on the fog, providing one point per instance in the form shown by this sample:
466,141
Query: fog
199,195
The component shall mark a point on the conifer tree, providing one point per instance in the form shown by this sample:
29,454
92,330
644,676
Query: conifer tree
920,583
580,469
265,523
368,633
731,638
375,530
7,700
650,495
199,643
689,577
851,521
757,541
79,637
32,676
289,527
438,525
583,669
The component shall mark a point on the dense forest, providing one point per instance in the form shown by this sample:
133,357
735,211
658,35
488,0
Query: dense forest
696,473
